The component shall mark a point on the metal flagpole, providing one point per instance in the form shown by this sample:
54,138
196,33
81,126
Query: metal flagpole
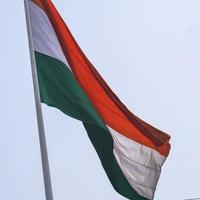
42,139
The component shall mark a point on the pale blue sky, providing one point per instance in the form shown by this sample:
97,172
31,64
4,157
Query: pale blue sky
148,51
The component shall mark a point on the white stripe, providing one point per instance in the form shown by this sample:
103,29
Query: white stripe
44,38
140,165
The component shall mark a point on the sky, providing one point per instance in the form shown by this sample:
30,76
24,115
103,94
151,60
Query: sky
148,52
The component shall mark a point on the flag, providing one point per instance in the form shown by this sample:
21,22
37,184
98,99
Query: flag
131,151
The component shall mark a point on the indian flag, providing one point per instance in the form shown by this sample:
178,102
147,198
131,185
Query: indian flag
131,151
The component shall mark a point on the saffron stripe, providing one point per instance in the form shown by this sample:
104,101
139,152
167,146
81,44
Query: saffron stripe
106,107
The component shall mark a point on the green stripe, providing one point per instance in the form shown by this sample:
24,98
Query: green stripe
59,89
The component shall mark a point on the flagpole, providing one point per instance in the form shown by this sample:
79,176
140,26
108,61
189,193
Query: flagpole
42,138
